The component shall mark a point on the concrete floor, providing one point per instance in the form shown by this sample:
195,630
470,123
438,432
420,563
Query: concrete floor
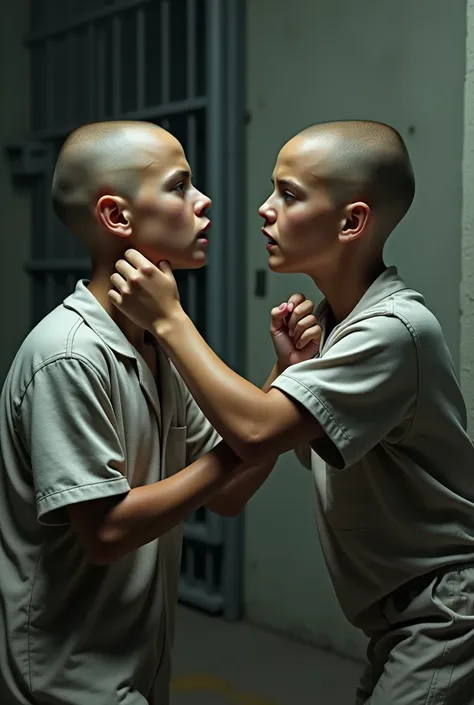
216,663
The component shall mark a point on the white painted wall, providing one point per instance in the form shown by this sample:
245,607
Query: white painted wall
15,204
400,62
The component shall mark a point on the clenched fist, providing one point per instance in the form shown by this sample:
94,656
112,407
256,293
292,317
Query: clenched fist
295,331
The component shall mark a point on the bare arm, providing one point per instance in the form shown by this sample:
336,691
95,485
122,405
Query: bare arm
257,425
296,337
231,499
110,528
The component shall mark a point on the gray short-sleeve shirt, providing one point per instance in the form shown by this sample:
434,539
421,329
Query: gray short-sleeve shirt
81,419
397,498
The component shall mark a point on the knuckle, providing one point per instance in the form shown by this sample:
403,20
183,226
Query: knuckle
296,299
304,307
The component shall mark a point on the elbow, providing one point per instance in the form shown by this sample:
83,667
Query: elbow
103,550
254,448
101,538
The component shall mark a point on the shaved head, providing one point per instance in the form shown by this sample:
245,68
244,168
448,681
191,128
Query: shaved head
339,190
363,161
128,184
106,157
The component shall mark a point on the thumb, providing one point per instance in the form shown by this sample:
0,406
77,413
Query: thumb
278,315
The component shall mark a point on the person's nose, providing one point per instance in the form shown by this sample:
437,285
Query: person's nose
267,212
201,204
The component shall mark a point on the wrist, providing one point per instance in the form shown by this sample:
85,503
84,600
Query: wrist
163,328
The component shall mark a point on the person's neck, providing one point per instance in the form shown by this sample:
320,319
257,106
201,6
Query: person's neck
345,287
99,286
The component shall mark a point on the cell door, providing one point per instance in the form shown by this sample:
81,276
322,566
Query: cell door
177,63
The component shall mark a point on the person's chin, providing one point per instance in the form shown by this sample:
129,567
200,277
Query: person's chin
277,264
196,261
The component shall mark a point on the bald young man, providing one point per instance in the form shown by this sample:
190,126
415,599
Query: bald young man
378,412
104,452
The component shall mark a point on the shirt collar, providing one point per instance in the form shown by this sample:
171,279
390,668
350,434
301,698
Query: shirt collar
86,305
386,284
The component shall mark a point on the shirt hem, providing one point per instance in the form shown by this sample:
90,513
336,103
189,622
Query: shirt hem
84,493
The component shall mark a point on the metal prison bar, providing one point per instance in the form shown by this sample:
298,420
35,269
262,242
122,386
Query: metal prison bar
178,63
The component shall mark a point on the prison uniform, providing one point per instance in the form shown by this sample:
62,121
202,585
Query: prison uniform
394,487
81,419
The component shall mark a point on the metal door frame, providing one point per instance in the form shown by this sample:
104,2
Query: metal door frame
227,334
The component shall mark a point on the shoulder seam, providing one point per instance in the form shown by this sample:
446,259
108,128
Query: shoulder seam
57,358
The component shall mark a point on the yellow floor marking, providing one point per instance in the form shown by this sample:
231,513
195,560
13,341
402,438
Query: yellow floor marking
199,681
212,684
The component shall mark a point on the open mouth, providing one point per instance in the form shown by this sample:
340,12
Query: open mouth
202,234
271,241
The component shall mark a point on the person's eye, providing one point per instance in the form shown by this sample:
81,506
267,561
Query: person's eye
180,188
288,197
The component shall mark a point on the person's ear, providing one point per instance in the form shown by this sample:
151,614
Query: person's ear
114,215
355,222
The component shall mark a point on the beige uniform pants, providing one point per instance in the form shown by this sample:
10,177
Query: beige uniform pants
427,655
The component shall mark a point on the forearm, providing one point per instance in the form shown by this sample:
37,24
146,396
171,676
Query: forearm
148,512
234,406
232,498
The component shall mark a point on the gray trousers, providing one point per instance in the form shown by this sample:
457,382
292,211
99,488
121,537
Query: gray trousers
426,656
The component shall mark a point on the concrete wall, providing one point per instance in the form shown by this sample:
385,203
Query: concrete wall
15,222
400,62
467,249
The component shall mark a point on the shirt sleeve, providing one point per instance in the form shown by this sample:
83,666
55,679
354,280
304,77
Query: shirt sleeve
71,433
364,387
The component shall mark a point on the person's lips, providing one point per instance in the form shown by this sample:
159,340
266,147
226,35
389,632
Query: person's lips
202,234
204,230
271,240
